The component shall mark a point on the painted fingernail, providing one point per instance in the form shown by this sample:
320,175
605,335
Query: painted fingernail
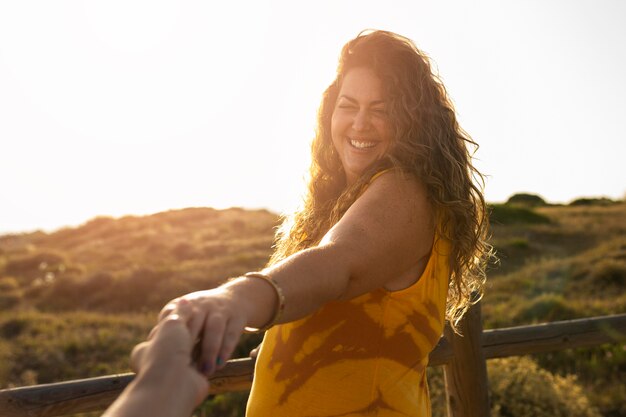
219,361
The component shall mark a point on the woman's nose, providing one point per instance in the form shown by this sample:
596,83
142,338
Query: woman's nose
361,121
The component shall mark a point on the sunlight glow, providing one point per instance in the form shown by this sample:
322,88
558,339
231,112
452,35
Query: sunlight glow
133,107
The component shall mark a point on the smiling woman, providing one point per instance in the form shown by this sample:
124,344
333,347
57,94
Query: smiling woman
360,127
389,244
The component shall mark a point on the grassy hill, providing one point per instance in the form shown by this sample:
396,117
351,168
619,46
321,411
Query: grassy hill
74,302
571,265
134,264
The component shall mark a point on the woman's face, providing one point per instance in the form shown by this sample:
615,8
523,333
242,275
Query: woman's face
360,127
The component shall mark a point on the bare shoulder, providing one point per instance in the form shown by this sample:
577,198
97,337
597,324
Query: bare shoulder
385,233
397,184
394,206
396,194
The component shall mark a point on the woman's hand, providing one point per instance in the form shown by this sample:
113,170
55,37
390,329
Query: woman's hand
219,316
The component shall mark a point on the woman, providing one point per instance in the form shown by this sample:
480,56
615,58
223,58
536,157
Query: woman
388,244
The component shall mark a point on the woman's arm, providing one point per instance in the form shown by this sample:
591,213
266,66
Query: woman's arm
383,234
381,237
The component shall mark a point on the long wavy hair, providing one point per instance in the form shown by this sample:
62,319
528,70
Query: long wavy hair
427,143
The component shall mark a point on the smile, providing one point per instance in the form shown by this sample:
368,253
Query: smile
362,144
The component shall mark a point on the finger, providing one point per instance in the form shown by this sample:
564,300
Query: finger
232,334
156,329
184,310
196,323
173,336
137,356
167,309
254,352
191,316
214,327
196,355
152,332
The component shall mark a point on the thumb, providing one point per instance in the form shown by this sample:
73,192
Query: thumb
137,356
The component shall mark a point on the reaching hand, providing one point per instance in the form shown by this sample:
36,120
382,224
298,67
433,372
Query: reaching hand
218,317
166,384
169,347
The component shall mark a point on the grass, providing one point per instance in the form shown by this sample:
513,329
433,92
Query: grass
41,347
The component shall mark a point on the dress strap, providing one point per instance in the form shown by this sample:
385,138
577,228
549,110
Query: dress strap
378,174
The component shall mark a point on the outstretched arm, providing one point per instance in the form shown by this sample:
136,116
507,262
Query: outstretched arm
381,238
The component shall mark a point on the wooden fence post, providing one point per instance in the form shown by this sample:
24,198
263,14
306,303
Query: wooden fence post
466,375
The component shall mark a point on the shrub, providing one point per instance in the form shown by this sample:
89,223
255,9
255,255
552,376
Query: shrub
545,308
524,199
592,202
8,284
12,328
61,293
601,369
9,300
609,273
520,388
519,243
602,278
184,251
29,267
504,214
10,292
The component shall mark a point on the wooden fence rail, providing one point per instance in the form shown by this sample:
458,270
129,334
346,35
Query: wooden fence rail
94,394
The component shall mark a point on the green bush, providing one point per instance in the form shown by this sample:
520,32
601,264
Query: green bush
520,388
524,199
505,214
603,201
601,278
601,369
519,243
546,308
609,274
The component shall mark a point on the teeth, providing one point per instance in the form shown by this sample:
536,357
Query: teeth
362,145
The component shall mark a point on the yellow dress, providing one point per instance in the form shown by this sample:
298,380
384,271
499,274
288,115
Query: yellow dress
362,357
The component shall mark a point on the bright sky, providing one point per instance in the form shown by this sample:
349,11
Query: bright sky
132,107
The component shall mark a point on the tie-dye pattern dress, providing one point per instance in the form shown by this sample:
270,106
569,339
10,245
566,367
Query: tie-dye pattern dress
362,357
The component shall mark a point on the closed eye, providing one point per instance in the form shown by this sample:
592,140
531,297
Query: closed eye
381,111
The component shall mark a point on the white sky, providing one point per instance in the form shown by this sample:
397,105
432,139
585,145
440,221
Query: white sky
131,107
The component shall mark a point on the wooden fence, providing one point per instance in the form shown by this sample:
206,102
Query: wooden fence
463,358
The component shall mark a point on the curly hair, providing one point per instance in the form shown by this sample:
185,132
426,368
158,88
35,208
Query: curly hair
427,143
